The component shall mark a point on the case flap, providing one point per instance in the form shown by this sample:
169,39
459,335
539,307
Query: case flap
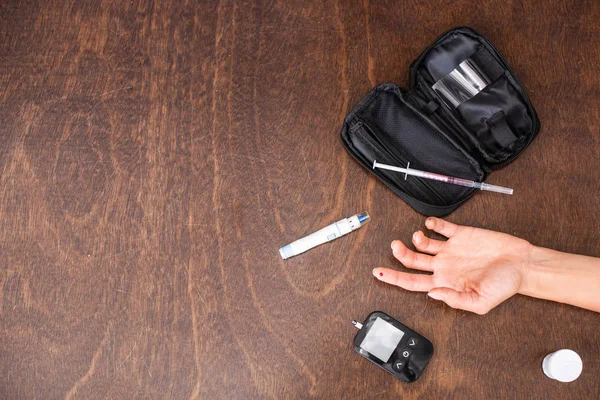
499,121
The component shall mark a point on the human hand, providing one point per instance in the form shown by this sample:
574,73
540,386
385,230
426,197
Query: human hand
474,270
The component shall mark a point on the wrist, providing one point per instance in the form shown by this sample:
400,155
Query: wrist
539,272
531,260
562,277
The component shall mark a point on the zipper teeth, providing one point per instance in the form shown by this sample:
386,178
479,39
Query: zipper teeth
501,57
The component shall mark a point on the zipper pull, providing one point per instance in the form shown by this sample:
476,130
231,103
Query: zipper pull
355,127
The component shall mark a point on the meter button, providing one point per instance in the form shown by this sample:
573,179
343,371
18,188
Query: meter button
405,353
412,342
398,365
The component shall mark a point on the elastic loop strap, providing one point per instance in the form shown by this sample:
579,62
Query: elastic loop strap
431,107
500,130
488,64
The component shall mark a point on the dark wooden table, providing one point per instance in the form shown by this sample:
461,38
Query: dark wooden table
154,156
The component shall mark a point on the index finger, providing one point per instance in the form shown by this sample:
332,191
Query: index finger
412,282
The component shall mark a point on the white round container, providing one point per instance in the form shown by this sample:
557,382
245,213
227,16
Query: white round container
563,365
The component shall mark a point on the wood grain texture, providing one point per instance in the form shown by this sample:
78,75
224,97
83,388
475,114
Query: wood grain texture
154,155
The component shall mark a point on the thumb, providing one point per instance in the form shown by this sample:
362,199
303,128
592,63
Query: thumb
469,301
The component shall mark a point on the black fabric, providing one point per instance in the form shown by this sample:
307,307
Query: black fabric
397,126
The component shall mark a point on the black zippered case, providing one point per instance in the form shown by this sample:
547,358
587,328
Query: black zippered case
395,126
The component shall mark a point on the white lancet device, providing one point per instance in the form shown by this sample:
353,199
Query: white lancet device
333,231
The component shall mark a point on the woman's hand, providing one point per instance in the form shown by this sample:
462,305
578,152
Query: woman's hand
474,270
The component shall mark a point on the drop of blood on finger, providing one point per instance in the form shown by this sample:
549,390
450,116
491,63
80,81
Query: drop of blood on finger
381,274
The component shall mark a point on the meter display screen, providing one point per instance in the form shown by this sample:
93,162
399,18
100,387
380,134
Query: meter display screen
381,339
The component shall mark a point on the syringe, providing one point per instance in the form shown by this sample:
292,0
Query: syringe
443,178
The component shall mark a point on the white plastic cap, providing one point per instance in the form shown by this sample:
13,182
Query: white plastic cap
563,365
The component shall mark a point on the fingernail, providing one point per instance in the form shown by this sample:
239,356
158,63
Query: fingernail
435,296
394,245
415,235
377,274
429,223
